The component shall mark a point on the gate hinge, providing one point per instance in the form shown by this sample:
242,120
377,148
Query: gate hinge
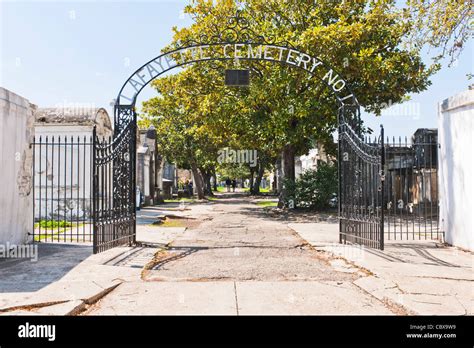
382,175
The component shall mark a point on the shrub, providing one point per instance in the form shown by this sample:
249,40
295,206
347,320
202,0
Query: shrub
314,188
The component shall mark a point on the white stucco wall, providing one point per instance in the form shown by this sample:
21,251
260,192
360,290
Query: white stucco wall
456,168
16,126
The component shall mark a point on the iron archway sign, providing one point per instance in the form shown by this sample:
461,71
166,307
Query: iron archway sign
114,163
231,52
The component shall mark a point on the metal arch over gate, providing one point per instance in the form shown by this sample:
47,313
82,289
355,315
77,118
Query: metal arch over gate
114,176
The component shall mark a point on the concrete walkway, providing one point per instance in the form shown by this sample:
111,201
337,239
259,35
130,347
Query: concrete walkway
240,260
419,277
68,278
228,256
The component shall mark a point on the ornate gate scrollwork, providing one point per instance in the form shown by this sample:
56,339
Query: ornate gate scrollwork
114,180
361,180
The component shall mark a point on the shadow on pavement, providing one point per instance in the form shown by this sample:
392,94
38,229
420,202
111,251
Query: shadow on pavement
53,262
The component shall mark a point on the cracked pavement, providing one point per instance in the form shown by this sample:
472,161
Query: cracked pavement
233,257
241,243
241,260
422,277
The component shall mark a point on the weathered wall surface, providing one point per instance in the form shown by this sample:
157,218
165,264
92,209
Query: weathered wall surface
456,169
16,127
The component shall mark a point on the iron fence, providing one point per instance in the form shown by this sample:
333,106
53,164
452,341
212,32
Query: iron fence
388,189
411,187
62,189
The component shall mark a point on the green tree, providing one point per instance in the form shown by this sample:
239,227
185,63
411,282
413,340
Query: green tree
285,110
444,26
180,118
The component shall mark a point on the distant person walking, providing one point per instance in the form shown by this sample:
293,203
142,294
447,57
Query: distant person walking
234,184
190,188
227,184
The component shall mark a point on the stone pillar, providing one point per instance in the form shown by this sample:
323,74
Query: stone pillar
16,158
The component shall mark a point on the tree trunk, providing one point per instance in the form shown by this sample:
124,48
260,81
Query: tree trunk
198,179
258,180
289,162
252,171
207,183
288,168
215,179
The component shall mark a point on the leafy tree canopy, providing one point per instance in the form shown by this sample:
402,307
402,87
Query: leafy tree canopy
366,41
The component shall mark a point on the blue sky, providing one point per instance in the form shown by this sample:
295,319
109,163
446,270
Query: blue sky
80,53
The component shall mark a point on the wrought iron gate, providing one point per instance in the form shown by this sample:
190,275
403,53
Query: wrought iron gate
387,189
361,180
114,176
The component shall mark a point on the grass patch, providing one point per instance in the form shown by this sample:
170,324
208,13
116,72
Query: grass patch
221,189
53,224
267,204
262,190
172,223
57,233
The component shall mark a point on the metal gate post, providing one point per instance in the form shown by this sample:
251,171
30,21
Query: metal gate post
339,163
382,187
94,192
133,165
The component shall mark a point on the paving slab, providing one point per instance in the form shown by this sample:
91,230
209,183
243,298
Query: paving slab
59,291
169,298
423,276
305,298
432,304
151,234
54,261
66,308
81,281
149,215
27,313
